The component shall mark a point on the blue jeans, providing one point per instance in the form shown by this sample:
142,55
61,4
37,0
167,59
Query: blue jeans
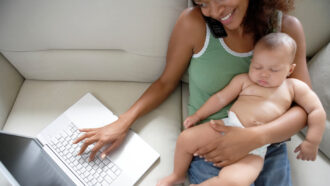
276,170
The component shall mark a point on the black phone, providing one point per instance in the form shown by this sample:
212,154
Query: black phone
216,27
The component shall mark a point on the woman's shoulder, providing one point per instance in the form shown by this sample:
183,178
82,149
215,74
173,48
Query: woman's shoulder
292,26
192,26
191,18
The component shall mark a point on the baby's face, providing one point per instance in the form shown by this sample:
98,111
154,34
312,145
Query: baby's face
269,68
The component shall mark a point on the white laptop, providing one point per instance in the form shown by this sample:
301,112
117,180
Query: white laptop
124,166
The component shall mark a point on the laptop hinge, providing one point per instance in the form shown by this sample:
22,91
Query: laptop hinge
38,142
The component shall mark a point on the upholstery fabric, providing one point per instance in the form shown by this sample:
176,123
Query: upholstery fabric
132,31
307,173
10,83
314,17
114,65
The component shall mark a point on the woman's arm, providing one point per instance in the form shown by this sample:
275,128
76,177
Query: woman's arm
180,49
237,142
292,26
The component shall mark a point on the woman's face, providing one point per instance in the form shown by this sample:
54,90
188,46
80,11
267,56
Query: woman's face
229,12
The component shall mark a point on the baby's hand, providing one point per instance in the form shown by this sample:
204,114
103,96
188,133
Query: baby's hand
307,151
190,121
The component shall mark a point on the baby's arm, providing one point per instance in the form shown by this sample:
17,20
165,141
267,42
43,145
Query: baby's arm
306,98
218,100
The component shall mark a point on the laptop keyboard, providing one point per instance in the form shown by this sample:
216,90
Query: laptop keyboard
96,172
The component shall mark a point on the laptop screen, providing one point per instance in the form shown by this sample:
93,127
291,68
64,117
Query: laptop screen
6,179
25,159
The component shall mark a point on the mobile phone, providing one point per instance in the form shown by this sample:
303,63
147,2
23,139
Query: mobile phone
216,27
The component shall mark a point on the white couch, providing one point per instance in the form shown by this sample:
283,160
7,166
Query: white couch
53,52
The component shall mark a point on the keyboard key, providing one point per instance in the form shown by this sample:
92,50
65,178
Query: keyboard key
97,172
108,179
117,172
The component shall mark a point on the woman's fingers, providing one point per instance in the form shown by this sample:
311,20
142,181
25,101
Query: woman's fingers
234,144
87,142
209,150
84,136
109,149
218,126
95,149
213,156
204,150
113,133
87,129
223,163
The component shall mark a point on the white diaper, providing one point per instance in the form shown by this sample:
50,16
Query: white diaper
233,121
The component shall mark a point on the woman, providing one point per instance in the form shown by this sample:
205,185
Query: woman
191,45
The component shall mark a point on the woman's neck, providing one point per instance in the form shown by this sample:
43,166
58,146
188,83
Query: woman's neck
239,41
236,33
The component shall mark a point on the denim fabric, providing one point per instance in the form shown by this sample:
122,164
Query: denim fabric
276,170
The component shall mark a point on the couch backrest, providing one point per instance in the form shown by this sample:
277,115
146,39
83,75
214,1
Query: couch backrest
314,16
122,40
108,39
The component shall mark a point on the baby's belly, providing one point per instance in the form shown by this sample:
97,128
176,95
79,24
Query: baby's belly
252,113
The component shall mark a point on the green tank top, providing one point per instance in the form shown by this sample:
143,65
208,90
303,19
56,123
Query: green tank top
211,70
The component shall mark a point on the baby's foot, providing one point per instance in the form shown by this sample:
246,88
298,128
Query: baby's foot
170,180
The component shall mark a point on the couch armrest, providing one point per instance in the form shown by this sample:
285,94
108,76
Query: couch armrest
10,83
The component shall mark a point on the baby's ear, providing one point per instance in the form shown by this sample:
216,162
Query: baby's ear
292,67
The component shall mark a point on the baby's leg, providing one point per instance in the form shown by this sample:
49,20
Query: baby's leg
242,173
188,142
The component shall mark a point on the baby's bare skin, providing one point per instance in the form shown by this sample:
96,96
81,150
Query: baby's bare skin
258,105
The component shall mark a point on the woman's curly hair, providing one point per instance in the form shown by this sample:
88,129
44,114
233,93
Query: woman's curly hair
260,18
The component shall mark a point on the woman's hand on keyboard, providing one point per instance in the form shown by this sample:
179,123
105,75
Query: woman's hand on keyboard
112,135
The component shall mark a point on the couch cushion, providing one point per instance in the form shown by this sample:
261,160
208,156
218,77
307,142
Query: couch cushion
40,102
86,65
133,30
319,67
307,173
10,83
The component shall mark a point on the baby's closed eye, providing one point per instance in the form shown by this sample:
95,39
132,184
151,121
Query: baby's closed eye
258,122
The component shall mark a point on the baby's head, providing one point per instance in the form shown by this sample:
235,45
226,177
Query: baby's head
272,60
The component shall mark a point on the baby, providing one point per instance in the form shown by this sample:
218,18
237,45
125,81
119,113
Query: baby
263,94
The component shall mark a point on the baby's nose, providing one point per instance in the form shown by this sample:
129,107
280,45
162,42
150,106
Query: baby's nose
265,74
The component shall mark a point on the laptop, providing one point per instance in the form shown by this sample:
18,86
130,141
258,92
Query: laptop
124,166
6,178
24,162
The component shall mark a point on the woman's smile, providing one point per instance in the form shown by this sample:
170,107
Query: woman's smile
227,19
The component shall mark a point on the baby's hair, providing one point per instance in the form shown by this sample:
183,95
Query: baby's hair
274,40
